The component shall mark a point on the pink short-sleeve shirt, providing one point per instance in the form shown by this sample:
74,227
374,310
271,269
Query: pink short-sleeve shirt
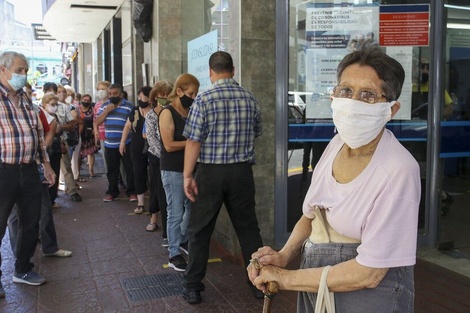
379,207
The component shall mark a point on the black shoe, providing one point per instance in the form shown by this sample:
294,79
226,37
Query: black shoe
178,263
256,292
184,248
75,197
192,297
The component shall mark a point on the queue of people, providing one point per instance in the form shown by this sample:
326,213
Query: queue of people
357,234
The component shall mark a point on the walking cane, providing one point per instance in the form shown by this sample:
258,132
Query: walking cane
272,289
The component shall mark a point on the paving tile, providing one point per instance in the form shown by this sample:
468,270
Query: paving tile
109,244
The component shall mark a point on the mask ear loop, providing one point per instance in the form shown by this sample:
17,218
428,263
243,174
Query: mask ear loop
335,131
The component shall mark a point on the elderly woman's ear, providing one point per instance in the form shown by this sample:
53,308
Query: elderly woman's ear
395,107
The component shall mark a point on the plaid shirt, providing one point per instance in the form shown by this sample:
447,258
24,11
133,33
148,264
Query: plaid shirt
225,120
21,133
64,115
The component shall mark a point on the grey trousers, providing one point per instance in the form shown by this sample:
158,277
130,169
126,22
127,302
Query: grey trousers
395,292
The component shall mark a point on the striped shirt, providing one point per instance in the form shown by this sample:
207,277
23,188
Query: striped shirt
21,133
225,120
114,123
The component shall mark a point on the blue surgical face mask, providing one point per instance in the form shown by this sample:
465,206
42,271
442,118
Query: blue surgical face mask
17,81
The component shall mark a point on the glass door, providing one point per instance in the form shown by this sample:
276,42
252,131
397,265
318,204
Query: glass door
454,230
321,33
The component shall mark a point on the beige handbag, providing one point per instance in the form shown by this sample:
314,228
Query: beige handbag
322,232
325,298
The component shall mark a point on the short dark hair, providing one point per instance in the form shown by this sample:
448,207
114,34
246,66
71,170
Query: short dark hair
221,62
87,95
115,86
145,90
389,70
49,86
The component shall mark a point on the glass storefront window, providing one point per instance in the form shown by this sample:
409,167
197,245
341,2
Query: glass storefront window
200,18
435,101
455,141
321,33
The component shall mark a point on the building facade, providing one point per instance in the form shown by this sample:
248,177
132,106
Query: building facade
285,52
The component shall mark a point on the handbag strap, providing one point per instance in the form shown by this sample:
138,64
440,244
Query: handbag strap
325,298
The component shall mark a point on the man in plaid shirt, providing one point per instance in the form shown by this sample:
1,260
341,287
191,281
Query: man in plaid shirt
21,147
221,129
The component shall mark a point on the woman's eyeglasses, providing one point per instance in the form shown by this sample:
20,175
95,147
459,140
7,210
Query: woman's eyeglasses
365,95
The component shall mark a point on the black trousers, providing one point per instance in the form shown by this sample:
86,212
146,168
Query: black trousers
113,162
46,224
21,185
140,169
232,185
157,201
54,159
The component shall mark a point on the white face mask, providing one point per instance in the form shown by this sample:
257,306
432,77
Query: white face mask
68,100
51,109
102,94
357,122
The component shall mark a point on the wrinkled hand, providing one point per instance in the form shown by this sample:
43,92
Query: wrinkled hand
49,174
190,188
270,267
269,273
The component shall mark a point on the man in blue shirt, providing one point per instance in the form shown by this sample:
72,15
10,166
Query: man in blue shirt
221,128
114,114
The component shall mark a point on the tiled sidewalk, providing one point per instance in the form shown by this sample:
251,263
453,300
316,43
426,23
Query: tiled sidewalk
110,245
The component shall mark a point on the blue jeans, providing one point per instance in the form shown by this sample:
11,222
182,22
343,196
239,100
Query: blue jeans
178,207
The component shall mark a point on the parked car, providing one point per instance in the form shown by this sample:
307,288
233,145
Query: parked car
298,99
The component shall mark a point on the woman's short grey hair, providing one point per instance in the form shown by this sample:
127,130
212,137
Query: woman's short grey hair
389,70
7,57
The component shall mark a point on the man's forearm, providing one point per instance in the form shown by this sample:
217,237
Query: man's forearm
191,153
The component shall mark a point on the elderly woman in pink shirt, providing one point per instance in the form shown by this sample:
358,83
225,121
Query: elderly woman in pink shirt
358,232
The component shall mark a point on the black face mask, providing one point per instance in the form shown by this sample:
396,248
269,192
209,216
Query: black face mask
143,104
186,101
86,104
114,100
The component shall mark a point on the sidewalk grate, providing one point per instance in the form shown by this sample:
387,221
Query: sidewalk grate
153,286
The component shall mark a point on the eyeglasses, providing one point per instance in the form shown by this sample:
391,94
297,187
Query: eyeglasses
365,95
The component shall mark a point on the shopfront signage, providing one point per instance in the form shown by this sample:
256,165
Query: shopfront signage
199,51
332,31
404,25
